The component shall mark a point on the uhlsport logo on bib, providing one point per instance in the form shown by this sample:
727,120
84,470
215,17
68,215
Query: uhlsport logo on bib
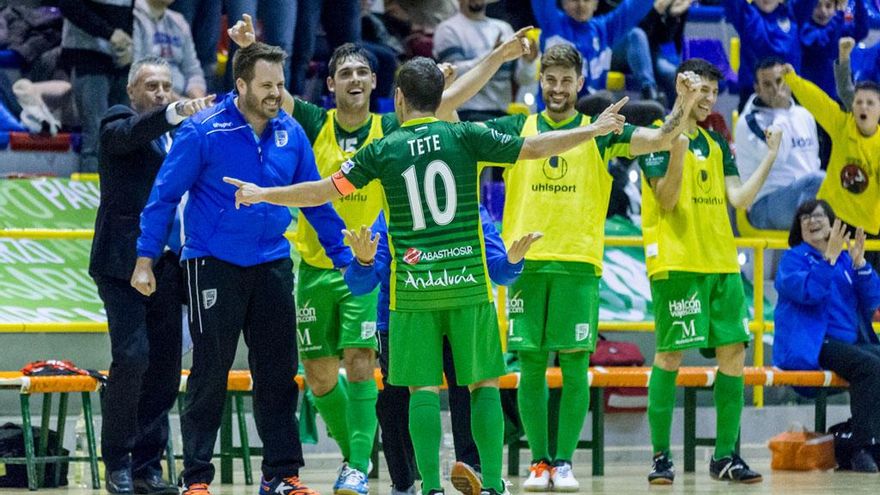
306,313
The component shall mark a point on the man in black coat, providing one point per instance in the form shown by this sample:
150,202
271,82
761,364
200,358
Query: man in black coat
145,332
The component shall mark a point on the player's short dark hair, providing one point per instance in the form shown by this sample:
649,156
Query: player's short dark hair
868,86
796,234
768,62
422,83
347,51
245,59
702,68
562,55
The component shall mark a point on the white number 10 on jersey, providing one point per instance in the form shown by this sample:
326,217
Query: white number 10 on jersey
440,217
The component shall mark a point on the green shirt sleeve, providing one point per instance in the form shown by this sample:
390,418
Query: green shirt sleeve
510,124
311,117
489,145
616,145
390,123
654,165
363,167
727,157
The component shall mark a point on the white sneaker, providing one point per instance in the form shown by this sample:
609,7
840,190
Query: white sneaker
539,478
563,479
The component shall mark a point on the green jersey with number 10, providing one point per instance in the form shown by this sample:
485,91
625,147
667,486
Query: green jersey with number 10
428,169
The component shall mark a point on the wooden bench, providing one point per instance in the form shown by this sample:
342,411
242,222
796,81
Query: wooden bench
240,384
36,457
692,379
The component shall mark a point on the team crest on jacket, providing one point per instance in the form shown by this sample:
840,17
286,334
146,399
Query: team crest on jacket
280,138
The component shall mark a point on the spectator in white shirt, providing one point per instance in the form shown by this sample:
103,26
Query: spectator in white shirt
796,175
468,36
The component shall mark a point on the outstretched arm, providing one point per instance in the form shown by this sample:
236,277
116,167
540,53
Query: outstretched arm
556,142
301,195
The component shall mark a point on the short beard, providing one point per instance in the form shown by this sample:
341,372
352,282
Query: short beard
254,106
477,9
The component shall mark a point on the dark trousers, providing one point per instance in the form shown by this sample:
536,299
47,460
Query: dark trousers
859,364
392,408
225,300
145,334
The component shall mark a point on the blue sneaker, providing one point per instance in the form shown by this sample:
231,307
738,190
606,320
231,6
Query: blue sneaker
341,474
354,483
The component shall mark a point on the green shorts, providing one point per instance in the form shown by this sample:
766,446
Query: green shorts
330,319
552,312
694,310
416,344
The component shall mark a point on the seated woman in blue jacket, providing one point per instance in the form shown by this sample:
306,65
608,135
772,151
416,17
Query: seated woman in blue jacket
827,296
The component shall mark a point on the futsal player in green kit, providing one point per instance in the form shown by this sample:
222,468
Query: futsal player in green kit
695,278
439,286
331,322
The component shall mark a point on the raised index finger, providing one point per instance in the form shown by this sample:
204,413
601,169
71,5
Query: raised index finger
248,22
234,182
617,106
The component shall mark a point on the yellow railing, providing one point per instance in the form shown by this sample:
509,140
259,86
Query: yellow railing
757,325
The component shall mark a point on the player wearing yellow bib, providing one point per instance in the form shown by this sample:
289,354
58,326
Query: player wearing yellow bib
696,285
554,306
439,286
331,322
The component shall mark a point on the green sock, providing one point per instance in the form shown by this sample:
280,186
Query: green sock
531,398
362,422
661,404
729,403
487,427
574,403
332,407
425,430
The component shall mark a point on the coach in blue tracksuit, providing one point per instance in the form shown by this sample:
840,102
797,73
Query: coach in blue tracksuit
237,263
392,407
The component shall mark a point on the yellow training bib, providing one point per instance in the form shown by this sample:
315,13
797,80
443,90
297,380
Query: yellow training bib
359,208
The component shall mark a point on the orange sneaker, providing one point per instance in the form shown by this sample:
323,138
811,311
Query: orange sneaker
290,485
196,489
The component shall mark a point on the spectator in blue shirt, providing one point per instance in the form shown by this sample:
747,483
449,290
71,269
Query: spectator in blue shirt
592,36
829,21
766,28
823,318
237,263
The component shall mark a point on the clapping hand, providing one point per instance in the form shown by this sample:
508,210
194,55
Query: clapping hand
838,238
520,247
363,244
857,249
